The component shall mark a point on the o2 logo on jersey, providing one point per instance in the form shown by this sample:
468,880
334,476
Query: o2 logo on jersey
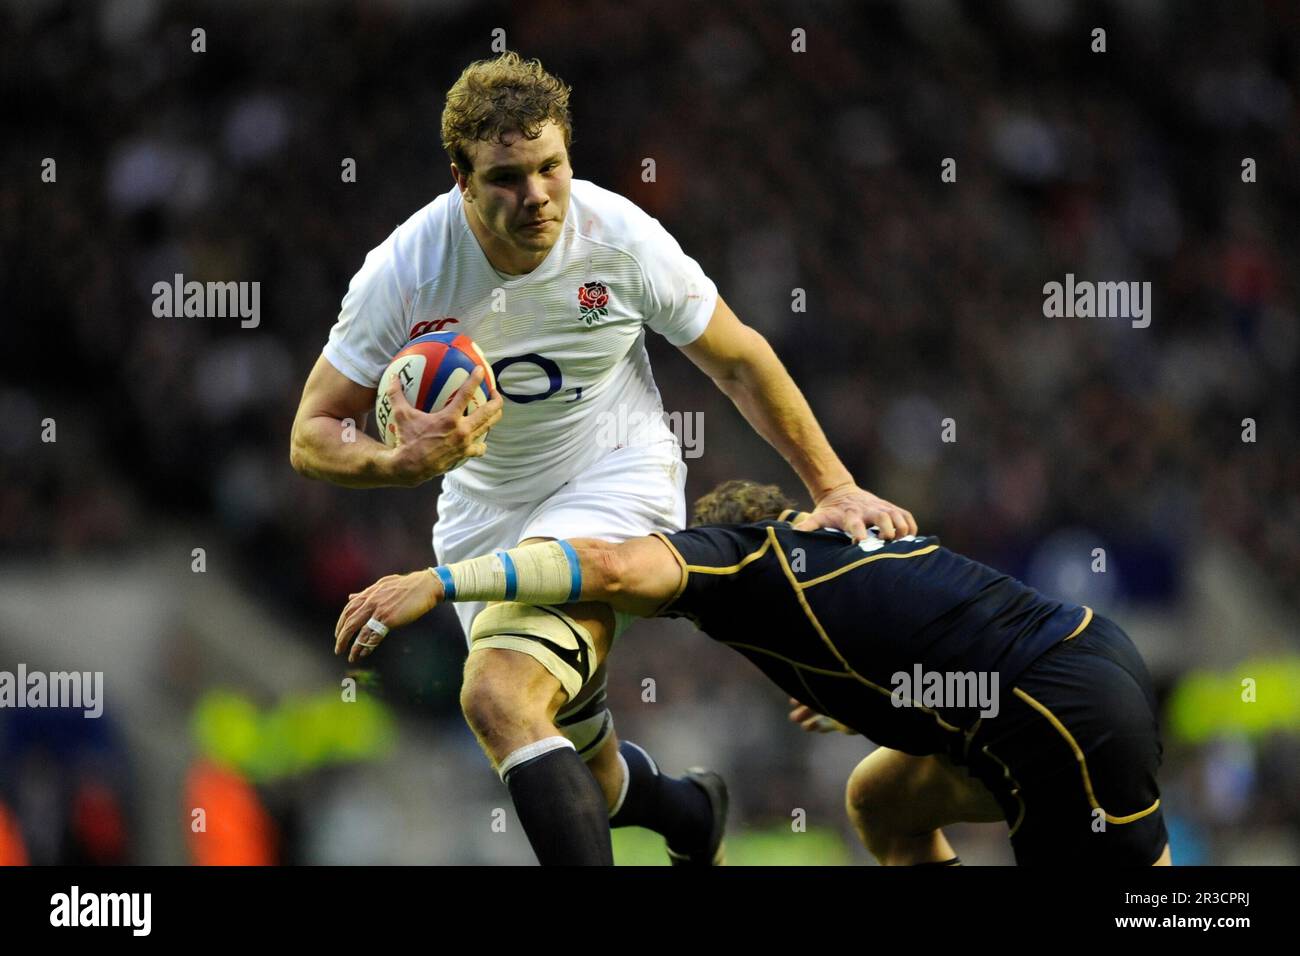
554,378
548,367
593,298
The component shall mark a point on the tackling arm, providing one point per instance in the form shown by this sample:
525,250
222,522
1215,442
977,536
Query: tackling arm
636,577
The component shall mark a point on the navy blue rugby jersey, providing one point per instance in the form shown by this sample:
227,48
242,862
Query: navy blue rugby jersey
834,623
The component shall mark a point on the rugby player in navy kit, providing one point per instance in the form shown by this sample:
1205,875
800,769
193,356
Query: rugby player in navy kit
1066,752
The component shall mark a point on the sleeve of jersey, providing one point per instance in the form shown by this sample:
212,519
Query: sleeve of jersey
708,553
372,320
680,298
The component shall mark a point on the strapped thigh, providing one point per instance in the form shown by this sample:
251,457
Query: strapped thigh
546,634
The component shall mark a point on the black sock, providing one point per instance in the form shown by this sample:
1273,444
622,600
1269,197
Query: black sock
676,808
562,809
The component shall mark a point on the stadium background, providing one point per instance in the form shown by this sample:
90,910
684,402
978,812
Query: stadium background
776,170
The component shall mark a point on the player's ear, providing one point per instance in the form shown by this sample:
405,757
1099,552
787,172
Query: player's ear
461,179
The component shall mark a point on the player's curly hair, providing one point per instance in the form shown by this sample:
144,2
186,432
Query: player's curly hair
507,94
740,502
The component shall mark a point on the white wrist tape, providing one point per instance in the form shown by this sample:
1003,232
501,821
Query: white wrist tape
544,573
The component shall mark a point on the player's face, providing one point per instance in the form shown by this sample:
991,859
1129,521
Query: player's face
519,192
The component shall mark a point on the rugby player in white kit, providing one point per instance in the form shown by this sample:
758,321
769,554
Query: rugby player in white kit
556,279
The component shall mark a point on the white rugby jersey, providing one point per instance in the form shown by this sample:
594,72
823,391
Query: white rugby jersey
566,341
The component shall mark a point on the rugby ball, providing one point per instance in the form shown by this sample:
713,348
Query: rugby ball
431,368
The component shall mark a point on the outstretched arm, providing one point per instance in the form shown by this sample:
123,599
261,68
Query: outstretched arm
638,577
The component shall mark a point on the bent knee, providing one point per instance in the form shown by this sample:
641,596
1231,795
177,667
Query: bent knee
868,795
503,688
892,792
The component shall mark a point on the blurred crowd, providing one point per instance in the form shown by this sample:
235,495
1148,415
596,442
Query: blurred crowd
817,170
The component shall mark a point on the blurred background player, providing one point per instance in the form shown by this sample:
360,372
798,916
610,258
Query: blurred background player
1065,748
556,279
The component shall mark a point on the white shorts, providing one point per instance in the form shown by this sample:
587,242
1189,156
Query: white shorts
629,493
